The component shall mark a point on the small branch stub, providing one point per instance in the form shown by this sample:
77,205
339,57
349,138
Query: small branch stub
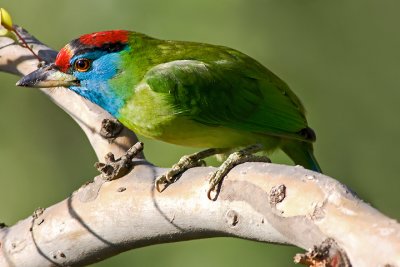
328,254
110,128
117,168
277,194
232,218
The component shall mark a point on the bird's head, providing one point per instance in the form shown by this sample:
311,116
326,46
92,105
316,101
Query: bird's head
87,65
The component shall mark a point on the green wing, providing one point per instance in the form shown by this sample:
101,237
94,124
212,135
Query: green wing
239,93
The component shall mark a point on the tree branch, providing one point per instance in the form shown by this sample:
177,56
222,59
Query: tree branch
257,201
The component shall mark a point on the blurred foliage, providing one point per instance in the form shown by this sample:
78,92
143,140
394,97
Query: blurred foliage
341,57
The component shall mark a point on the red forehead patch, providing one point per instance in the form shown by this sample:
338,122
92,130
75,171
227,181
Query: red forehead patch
92,40
100,38
63,58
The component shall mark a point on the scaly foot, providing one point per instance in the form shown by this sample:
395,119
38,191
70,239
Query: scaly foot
185,163
236,158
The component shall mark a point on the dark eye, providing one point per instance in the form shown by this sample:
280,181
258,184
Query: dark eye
82,64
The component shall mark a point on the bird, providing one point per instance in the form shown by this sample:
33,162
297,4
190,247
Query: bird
185,93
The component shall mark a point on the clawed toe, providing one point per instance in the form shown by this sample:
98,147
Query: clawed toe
159,181
236,158
196,160
173,174
164,180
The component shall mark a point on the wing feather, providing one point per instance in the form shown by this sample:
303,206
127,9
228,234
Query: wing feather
238,93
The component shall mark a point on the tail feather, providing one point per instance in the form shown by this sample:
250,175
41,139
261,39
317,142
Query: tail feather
301,153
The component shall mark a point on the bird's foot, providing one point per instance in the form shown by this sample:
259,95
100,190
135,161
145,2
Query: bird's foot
116,168
185,163
236,158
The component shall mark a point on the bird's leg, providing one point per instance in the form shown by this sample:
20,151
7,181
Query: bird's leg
241,156
185,163
116,168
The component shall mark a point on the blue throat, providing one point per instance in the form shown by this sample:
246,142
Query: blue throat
95,83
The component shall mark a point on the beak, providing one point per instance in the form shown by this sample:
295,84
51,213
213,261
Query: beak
48,76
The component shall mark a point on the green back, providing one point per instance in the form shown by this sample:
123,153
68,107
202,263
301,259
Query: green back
214,85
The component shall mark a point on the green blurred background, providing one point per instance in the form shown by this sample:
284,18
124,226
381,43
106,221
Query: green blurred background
341,57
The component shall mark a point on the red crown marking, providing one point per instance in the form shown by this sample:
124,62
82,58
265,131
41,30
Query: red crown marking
96,39
63,58
100,38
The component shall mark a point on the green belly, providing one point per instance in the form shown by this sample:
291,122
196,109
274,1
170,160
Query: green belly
182,131
151,116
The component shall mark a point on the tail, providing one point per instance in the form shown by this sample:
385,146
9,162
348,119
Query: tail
301,153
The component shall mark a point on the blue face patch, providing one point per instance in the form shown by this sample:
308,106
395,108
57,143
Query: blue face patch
94,83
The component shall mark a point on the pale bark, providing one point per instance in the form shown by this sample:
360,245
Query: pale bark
257,201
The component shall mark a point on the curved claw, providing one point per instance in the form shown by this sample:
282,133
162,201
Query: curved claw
163,179
210,191
157,186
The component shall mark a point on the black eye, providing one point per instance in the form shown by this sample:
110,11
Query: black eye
82,64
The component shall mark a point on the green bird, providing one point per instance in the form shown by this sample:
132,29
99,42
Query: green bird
185,93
